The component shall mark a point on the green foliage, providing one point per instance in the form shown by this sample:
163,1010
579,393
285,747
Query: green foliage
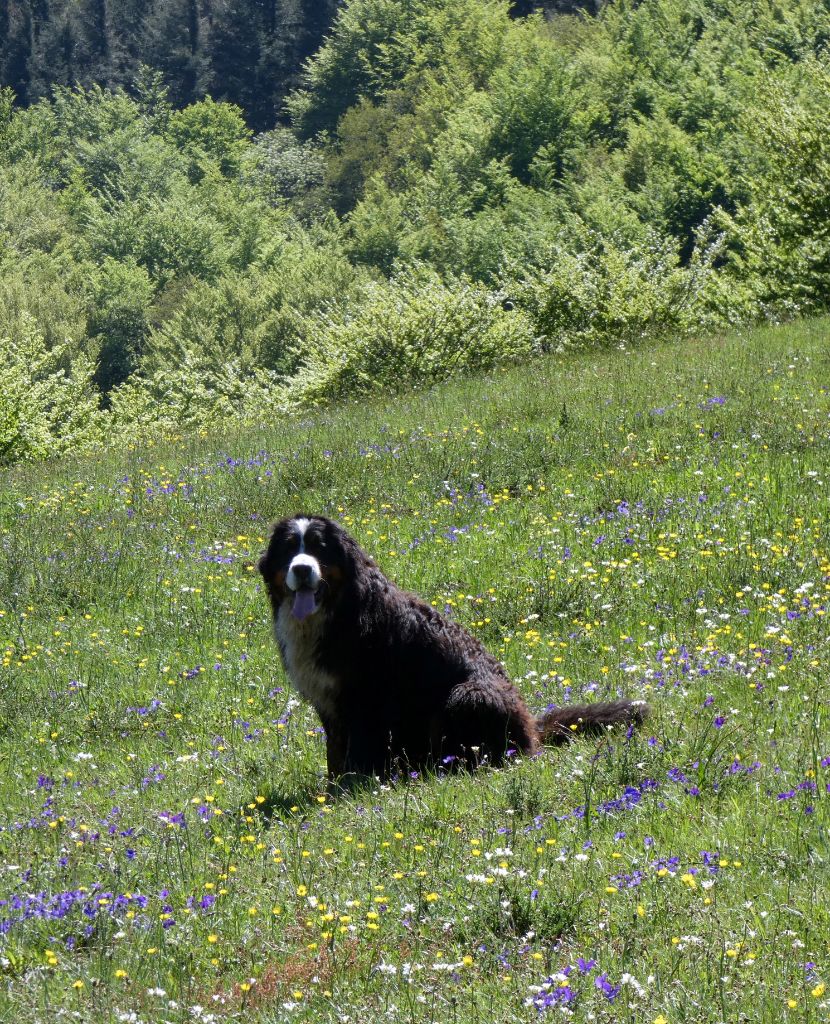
285,168
640,108
606,290
44,409
536,104
55,303
674,180
38,276
257,317
780,236
362,150
657,169
119,301
170,237
210,132
413,330
376,44
6,110
194,395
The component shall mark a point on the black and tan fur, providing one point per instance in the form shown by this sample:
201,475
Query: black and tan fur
394,682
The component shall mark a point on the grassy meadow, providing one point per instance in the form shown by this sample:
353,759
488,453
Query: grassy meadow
651,523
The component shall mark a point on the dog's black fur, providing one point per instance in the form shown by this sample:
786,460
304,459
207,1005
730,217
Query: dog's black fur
394,682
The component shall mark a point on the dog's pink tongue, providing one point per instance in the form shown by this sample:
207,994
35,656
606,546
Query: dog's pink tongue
304,604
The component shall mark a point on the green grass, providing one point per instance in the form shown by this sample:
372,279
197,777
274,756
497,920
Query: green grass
651,523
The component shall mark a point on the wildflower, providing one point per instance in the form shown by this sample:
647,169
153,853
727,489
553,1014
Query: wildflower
608,990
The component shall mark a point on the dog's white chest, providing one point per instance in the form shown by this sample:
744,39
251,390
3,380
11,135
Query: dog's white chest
298,642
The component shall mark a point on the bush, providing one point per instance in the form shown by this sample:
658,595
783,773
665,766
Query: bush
190,396
415,329
255,318
47,291
120,299
608,293
284,168
780,237
44,410
209,134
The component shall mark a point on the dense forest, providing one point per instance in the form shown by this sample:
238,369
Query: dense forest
198,221
248,52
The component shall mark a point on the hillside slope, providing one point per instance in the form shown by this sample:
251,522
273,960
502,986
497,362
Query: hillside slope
458,189
652,524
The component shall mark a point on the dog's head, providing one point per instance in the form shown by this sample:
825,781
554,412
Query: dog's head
308,562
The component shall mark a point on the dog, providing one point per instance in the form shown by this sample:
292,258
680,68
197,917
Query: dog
395,683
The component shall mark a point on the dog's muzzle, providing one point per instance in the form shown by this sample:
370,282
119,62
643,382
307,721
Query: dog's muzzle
304,579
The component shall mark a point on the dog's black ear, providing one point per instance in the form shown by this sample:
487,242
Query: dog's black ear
349,546
266,560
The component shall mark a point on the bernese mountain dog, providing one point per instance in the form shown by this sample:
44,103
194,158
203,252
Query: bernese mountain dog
395,683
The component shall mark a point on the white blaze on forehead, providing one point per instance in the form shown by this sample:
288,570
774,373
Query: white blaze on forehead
302,525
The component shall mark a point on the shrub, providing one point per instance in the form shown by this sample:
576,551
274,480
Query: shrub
118,320
172,237
44,410
608,293
191,396
284,168
415,329
780,237
255,318
210,133
48,292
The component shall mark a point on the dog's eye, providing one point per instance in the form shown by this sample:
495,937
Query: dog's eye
290,548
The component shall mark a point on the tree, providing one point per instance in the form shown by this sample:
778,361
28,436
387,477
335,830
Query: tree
15,46
175,43
235,49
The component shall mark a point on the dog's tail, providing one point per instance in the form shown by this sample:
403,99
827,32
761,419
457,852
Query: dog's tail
558,725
